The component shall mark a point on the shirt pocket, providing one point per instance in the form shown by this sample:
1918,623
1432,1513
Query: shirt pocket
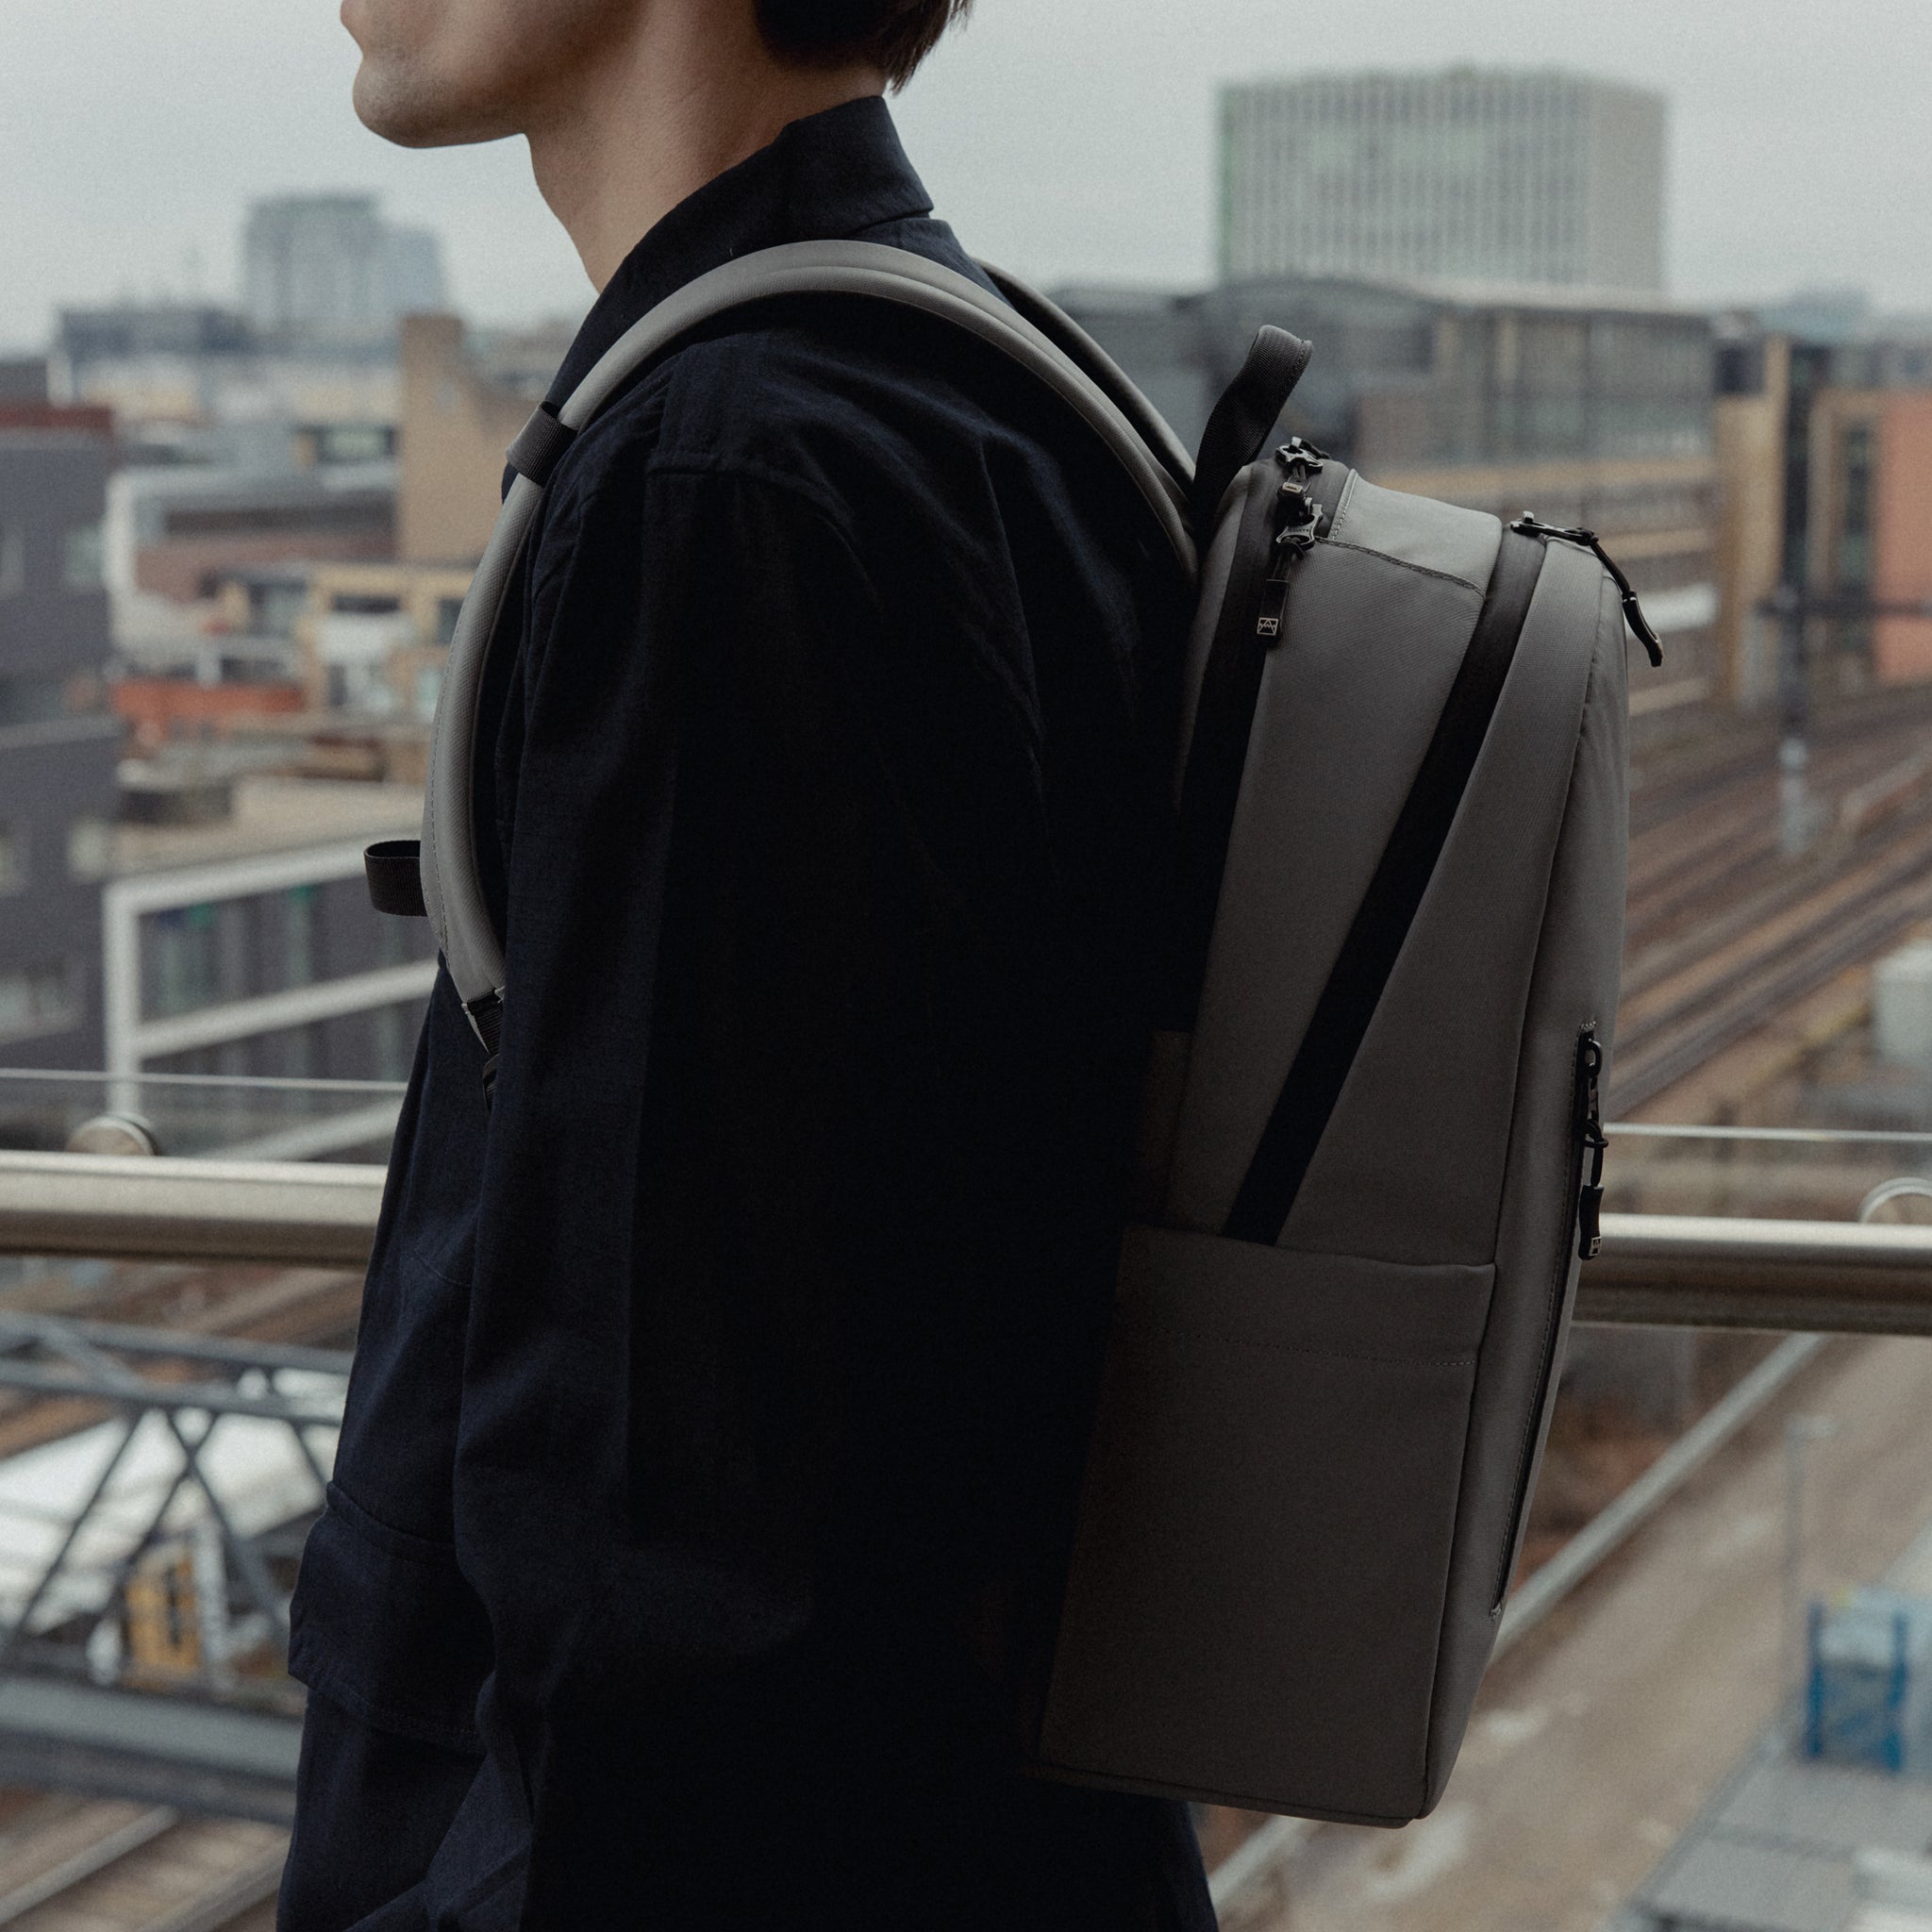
385,1626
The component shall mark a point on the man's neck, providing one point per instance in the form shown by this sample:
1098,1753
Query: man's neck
631,134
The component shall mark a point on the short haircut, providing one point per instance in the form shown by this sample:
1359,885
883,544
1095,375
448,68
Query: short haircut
895,35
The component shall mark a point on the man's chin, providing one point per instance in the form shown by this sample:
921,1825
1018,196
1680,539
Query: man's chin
402,108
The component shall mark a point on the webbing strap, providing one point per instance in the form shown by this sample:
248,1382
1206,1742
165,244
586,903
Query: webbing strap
1382,922
394,870
539,446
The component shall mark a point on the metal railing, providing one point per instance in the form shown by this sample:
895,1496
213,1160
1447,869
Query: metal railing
1668,1270
151,1209
1809,1277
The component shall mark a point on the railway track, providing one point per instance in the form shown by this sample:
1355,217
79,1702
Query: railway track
78,1865
1724,839
1725,932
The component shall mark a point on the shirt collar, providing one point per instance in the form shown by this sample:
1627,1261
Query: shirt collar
828,177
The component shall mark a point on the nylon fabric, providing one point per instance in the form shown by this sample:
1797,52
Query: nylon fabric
1347,1005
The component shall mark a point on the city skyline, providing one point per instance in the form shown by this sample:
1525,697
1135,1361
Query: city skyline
1762,200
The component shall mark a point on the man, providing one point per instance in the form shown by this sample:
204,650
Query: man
721,1388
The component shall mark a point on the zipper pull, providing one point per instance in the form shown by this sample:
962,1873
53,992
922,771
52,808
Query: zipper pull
1590,1203
1298,523
1289,545
1633,611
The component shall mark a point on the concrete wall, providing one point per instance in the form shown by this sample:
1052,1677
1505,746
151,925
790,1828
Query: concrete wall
185,569
455,425
1750,447
1901,647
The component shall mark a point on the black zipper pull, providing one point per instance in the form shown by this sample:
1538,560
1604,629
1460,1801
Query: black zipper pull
1633,611
1298,525
1590,1126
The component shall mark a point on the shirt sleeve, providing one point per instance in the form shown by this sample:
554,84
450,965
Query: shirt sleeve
651,1416
797,1215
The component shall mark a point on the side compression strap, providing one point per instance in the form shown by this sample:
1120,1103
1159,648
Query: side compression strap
1382,922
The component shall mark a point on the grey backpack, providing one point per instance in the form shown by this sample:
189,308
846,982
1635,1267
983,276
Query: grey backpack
1372,1145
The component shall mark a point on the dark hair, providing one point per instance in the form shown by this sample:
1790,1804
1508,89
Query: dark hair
895,35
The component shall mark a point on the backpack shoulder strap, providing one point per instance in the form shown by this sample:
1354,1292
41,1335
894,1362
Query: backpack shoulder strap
1080,349
452,891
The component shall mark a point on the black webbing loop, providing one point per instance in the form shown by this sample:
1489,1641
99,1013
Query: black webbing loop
539,442
1382,922
394,870
1243,419
486,1022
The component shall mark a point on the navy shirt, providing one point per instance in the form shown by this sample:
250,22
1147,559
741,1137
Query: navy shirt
719,1399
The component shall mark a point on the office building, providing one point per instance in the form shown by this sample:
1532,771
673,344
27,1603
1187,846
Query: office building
1521,178
1824,440
1586,410
57,754
327,267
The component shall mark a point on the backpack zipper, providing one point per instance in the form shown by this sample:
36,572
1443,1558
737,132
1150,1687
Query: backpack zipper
1297,525
1633,611
1583,1210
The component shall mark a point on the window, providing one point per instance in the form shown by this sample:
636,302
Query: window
1855,537
12,559
184,976
82,558
12,859
89,849
32,700
38,999
394,1042
299,936
355,442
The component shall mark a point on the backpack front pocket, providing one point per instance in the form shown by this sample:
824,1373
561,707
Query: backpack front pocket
1255,1603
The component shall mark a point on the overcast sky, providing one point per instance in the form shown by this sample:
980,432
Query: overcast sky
1066,138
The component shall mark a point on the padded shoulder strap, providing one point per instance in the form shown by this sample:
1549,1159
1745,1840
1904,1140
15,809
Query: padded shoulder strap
452,891
1066,335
